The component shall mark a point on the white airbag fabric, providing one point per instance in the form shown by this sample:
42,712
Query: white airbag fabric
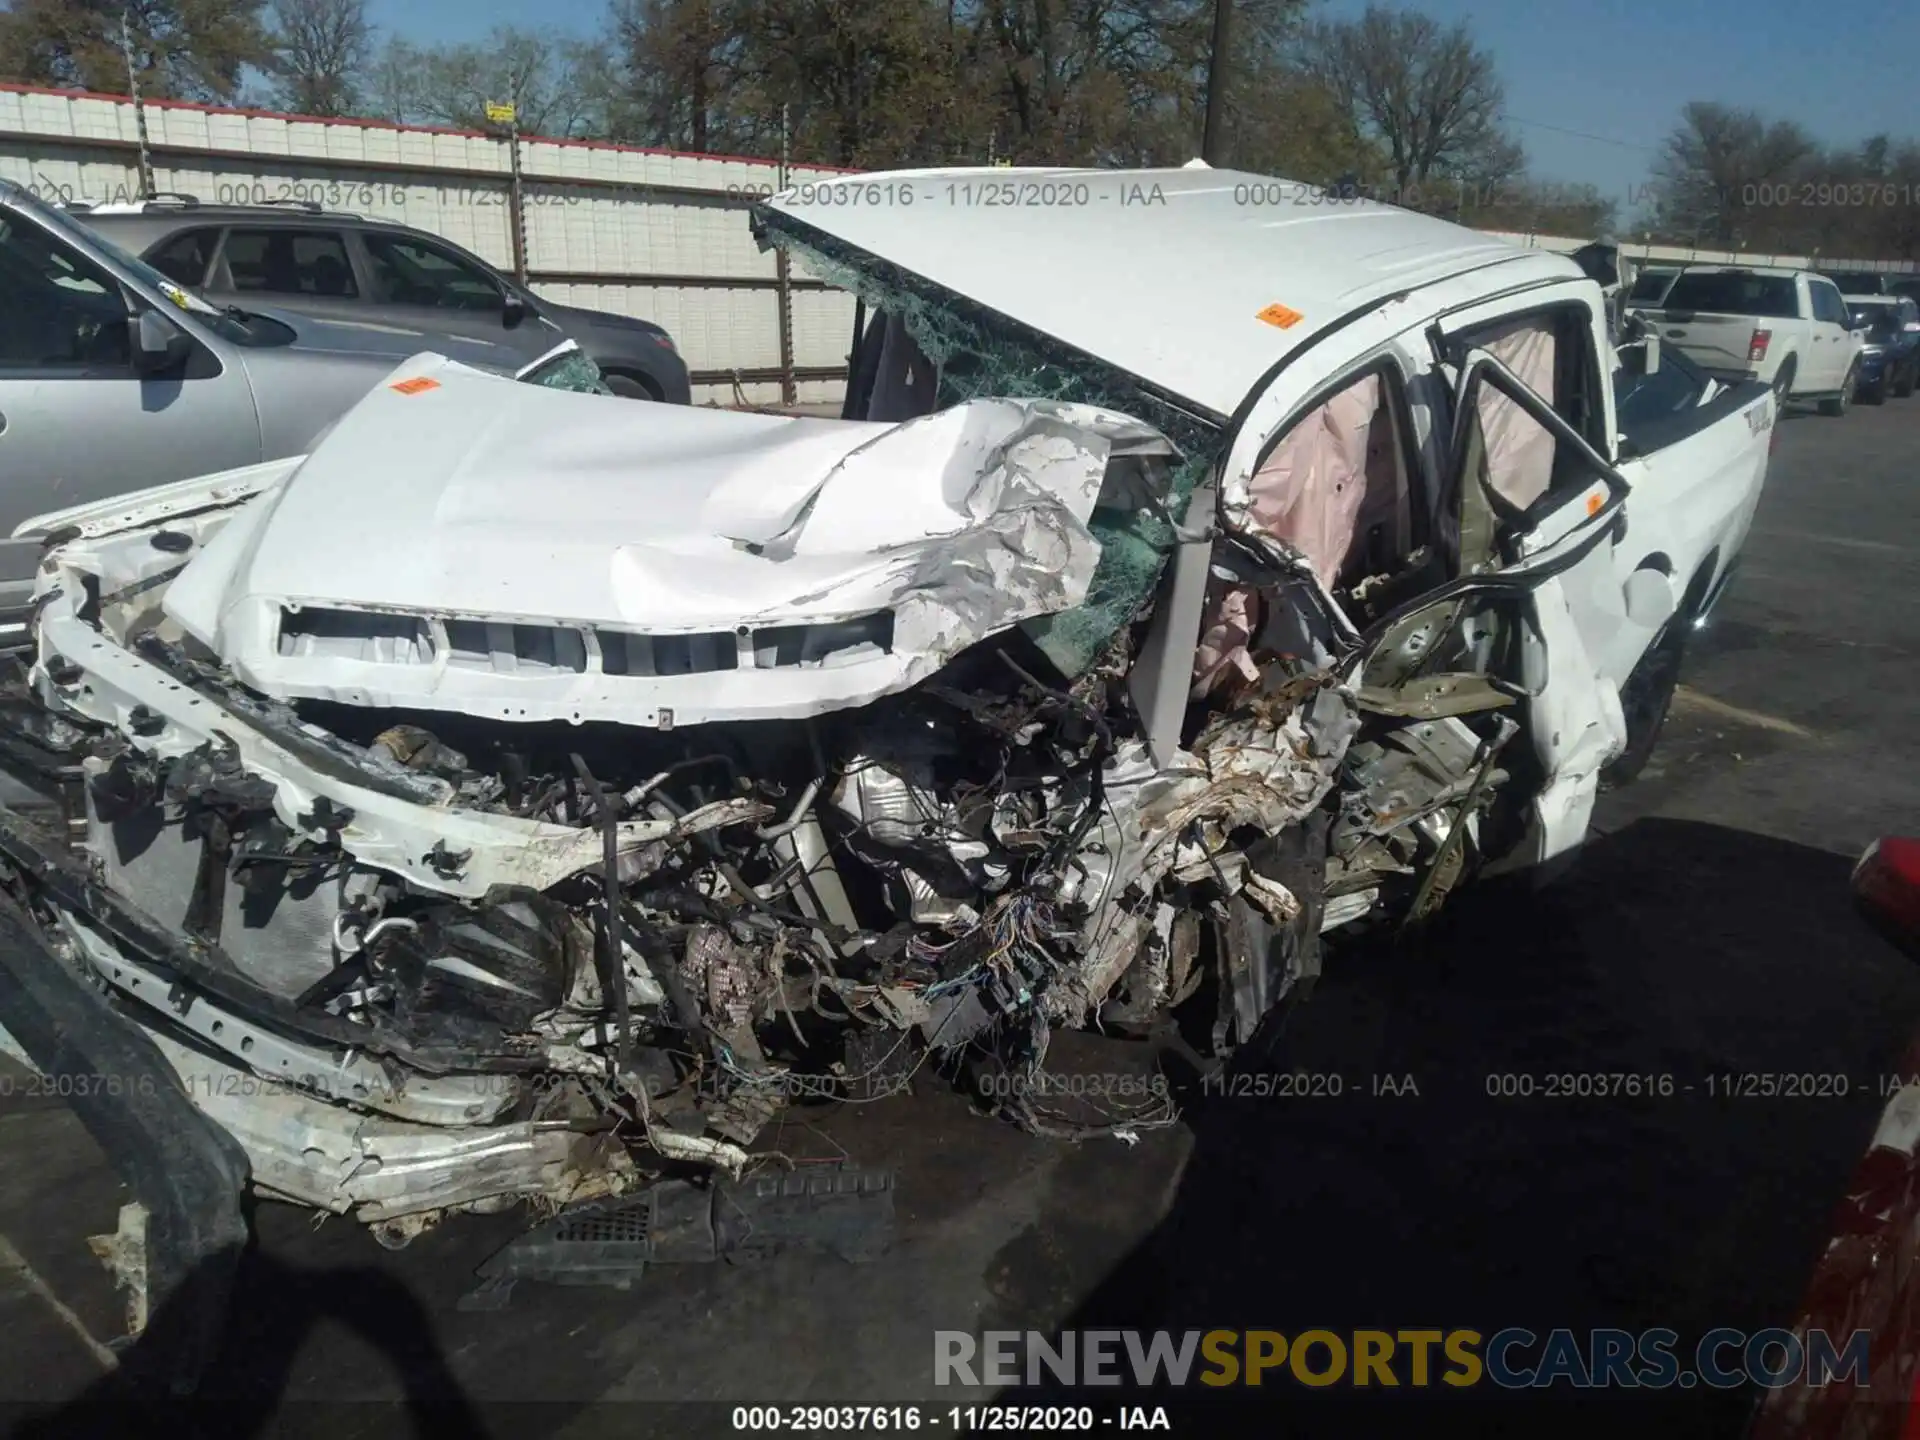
1519,448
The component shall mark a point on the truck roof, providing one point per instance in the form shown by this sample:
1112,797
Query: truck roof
1196,280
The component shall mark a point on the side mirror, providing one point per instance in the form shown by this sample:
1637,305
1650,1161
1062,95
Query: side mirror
1653,353
159,345
513,309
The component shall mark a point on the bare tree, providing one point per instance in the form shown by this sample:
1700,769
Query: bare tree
1543,208
1428,96
680,63
1717,171
549,82
871,82
321,51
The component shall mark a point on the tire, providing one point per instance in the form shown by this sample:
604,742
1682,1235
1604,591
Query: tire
1645,700
1841,403
1872,395
1783,385
1908,380
628,388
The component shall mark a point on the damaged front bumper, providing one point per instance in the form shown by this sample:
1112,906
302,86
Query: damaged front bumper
429,957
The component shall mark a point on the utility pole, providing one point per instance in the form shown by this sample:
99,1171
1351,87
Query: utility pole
139,110
1213,142
783,281
507,113
519,198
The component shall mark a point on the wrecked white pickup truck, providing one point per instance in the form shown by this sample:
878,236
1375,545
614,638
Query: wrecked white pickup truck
525,792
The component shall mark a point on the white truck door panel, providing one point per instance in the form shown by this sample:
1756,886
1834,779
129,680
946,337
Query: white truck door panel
1694,495
1562,549
1830,335
1553,569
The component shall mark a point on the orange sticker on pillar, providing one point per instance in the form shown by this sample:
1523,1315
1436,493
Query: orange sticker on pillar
1280,316
415,385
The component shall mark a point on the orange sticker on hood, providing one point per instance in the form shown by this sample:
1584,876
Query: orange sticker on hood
414,386
1280,315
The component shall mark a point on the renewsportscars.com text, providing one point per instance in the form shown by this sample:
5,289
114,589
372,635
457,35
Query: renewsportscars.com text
1513,1358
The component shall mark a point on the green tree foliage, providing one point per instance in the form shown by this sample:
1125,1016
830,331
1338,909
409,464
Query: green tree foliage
1391,104
878,82
183,49
1732,178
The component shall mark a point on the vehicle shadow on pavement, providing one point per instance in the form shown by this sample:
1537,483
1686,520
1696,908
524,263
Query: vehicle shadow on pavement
1677,950
276,1308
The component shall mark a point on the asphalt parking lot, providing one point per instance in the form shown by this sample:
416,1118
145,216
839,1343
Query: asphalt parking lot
1707,932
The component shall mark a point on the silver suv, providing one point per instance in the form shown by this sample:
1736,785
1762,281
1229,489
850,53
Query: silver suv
113,378
335,265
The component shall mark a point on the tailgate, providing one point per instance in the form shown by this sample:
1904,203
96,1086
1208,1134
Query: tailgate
1718,342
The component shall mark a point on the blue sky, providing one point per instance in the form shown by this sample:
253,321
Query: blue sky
1621,69
1618,70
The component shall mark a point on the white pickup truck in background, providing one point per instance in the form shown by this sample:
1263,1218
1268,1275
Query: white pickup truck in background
1788,328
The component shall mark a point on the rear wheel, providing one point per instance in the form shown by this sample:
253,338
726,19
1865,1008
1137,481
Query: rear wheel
1872,394
1783,385
1909,377
627,387
1839,404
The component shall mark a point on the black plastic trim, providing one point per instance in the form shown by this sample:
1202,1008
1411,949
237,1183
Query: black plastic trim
198,964
190,1174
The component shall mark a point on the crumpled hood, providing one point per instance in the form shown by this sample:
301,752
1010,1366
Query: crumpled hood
454,495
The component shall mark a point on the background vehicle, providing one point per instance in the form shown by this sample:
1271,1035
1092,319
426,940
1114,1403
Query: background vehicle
1859,282
1865,1279
340,266
1886,891
1907,285
1650,286
112,378
1789,328
1890,360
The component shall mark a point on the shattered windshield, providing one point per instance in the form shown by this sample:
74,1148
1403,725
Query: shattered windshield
566,367
980,353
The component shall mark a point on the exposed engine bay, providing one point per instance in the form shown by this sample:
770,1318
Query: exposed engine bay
421,954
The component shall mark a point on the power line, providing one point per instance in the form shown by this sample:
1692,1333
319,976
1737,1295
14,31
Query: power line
1582,134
